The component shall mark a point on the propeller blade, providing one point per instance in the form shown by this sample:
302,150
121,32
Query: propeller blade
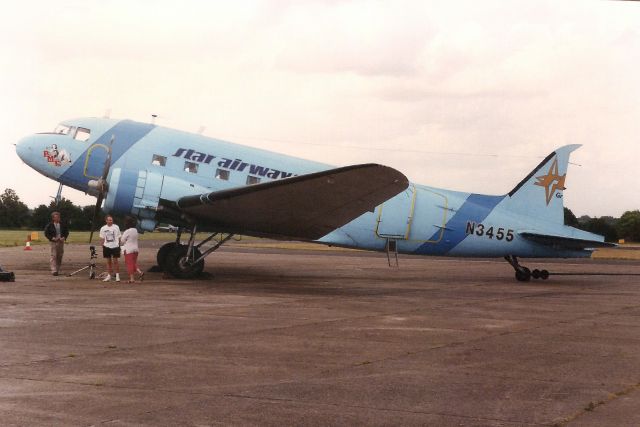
107,162
103,187
96,210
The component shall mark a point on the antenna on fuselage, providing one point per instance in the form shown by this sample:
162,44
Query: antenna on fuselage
153,119
201,130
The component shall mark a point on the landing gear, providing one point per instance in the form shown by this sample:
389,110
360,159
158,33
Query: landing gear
523,274
184,264
540,274
161,256
186,261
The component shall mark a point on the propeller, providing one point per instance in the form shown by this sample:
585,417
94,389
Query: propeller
101,186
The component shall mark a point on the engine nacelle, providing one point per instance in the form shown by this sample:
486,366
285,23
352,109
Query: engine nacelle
138,193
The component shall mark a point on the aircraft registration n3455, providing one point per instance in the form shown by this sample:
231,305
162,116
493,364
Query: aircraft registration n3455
157,174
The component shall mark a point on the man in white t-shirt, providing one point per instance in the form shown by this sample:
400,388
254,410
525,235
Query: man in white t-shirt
110,239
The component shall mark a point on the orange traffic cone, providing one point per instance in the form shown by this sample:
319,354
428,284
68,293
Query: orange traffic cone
27,245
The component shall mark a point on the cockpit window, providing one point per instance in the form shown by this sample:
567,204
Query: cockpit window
62,129
82,134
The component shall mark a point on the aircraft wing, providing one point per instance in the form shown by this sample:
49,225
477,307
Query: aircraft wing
565,242
301,207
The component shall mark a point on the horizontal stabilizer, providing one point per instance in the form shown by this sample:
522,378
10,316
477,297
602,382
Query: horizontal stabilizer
303,207
565,242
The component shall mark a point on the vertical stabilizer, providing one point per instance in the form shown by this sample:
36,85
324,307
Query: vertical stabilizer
540,193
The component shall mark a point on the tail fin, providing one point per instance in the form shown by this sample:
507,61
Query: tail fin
539,194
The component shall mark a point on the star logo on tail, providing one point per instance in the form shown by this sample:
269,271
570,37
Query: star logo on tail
552,181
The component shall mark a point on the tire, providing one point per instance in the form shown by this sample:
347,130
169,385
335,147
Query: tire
523,275
161,256
536,274
544,274
178,268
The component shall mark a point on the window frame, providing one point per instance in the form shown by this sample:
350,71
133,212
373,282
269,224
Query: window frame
162,160
84,131
187,167
62,129
223,174
255,179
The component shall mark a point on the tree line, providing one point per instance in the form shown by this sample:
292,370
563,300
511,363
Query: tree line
626,227
15,214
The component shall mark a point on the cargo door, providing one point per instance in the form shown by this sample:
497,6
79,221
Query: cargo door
94,161
396,215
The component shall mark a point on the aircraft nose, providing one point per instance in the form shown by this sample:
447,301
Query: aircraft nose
24,148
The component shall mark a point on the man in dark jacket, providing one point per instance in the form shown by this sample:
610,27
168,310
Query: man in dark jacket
57,233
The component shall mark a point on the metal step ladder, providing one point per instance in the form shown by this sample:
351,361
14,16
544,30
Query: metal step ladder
391,247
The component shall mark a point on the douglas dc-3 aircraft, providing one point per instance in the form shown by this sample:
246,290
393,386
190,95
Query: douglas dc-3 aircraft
163,175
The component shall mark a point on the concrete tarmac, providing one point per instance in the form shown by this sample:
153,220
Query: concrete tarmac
298,337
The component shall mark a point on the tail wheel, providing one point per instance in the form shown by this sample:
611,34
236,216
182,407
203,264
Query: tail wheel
161,256
178,264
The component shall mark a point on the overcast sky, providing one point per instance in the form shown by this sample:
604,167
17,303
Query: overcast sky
465,95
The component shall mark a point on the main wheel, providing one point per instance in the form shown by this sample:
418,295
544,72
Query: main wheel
161,256
544,274
523,274
177,263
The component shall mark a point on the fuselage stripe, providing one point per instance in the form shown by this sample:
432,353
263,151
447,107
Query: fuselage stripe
126,134
475,208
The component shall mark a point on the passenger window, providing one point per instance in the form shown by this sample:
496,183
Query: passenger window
252,180
82,134
158,160
222,174
190,167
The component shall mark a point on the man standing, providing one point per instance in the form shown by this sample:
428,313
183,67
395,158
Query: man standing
110,239
56,232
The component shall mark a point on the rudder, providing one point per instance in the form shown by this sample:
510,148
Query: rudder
539,194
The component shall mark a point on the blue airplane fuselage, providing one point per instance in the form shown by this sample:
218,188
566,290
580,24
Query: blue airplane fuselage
150,162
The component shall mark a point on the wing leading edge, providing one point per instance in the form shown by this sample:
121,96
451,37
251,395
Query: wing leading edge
302,207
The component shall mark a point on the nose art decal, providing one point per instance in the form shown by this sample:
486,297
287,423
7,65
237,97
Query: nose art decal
55,156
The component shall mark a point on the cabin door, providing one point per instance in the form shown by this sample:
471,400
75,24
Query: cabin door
396,215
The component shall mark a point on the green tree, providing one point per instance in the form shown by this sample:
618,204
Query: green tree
13,213
605,226
629,226
570,219
40,217
71,214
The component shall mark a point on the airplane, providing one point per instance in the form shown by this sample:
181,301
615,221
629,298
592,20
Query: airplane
158,174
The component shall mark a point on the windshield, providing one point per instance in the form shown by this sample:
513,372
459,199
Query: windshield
62,129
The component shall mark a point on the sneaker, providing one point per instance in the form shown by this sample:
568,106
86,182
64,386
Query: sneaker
107,278
117,277
55,273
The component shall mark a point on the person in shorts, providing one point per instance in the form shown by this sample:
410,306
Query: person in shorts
129,241
110,239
